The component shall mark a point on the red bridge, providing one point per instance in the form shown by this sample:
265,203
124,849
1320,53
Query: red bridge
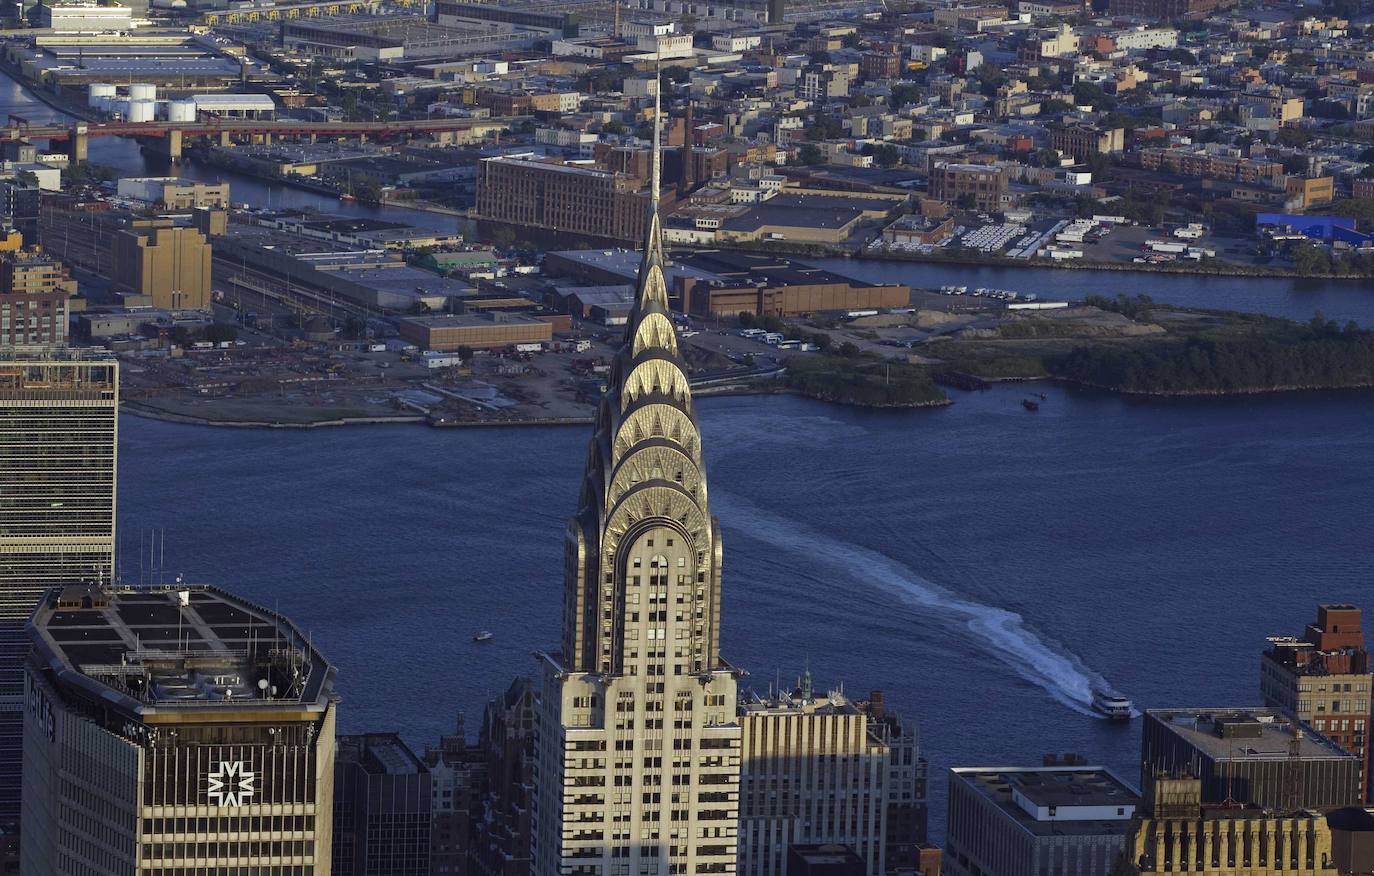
76,134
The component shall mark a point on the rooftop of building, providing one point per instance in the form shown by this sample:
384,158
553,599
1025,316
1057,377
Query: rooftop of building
1246,734
155,650
378,754
401,280
1069,800
602,296
735,267
471,320
800,211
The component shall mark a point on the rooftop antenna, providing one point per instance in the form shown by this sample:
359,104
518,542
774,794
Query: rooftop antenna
658,151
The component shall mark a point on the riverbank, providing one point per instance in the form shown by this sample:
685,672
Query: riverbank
1206,269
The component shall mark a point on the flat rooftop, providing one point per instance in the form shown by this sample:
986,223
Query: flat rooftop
472,320
1084,791
1244,734
151,650
379,754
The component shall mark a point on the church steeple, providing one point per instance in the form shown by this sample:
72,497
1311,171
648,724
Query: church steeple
643,517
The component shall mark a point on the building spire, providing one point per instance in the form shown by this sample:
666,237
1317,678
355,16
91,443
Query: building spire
656,182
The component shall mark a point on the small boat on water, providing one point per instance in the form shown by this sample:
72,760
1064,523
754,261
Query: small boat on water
484,636
1112,706
1030,404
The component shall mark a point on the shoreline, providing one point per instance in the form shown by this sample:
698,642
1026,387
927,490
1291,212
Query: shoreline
137,410
1080,265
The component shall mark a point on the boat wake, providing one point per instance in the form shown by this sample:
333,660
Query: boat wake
1002,634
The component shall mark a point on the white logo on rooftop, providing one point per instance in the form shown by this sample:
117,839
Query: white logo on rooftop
231,784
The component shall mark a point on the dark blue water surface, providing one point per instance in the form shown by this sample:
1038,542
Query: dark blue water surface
980,564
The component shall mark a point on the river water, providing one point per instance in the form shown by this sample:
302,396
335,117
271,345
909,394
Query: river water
982,565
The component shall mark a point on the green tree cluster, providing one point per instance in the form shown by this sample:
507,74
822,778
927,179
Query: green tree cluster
863,381
1316,355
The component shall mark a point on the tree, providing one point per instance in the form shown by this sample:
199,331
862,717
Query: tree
1091,94
884,154
1055,106
820,58
904,93
218,332
1294,138
822,341
849,349
810,154
1308,258
852,41
1181,55
465,353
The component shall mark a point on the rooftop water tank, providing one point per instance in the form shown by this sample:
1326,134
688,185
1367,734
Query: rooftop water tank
99,90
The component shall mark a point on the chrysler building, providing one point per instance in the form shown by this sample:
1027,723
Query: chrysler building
639,745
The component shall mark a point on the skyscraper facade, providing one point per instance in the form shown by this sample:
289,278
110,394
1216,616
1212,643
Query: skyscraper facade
174,731
824,770
382,808
639,745
58,433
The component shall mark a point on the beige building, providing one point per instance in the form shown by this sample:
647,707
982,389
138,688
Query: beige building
169,263
639,744
175,193
479,331
1084,141
173,729
35,290
1183,837
58,438
826,770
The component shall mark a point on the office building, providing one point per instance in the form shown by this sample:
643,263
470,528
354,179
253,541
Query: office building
822,770
1085,141
168,263
1177,833
1257,756
166,728
827,859
571,199
975,185
34,294
639,745
1028,821
19,203
458,783
507,741
1323,678
381,808
58,439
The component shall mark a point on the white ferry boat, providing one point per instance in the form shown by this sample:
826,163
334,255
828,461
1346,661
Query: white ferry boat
1113,706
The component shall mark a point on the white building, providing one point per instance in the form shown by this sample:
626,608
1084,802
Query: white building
639,745
85,18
